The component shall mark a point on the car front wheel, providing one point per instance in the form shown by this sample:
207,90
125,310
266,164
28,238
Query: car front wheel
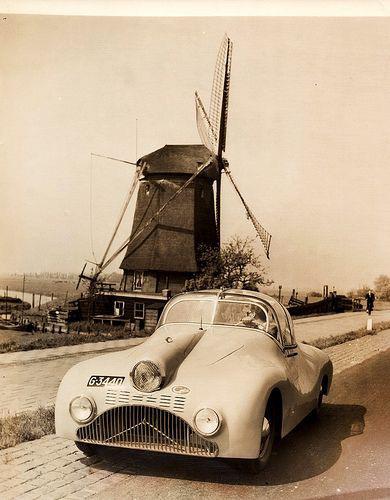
268,434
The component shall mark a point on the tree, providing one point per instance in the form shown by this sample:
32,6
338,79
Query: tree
382,287
359,292
236,266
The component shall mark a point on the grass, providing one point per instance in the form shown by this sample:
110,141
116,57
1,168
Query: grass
325,342
26,426
47,340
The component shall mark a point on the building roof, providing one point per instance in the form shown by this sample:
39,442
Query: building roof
177,159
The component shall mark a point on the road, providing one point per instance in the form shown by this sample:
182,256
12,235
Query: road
328,325
345,452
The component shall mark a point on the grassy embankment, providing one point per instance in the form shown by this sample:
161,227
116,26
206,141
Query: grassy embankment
22,341
325,342
26,426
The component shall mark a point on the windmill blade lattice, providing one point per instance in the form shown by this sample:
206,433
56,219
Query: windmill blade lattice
205,130
220,92
133,186
262,233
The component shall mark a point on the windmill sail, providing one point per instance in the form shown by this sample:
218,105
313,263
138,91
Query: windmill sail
205,130
129,196
263,234
220,93
212,126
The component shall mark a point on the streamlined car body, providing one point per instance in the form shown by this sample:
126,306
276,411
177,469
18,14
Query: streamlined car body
222,376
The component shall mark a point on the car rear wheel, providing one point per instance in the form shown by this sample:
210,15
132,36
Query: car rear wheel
316,410
87,449
267,439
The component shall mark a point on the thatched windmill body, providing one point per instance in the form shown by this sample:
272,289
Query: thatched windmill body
164,255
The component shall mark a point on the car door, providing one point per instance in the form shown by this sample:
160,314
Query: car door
303,367
293,399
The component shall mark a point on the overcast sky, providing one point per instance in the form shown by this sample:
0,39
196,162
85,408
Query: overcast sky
308,134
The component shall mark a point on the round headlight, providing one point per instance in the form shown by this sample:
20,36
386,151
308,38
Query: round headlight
207,421
82,409
146,376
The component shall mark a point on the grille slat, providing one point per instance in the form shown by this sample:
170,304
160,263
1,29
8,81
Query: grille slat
123,397
147,428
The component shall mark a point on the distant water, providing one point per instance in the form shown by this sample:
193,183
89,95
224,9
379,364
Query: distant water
27,296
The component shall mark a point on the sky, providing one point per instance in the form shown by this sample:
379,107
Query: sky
307,140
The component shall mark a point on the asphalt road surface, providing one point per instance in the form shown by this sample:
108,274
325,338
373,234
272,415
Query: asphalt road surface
344,453
314,327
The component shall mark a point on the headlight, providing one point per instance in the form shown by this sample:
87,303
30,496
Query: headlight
146,376
207,421
82,409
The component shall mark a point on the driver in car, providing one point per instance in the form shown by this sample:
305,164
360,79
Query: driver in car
254,318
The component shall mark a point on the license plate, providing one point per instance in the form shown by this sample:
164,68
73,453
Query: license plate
103,380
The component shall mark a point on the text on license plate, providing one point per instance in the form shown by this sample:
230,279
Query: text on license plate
103,380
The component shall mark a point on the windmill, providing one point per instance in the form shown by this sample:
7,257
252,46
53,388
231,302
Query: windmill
212,131
169,178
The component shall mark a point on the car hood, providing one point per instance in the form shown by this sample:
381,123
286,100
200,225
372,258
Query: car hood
211,364
186,348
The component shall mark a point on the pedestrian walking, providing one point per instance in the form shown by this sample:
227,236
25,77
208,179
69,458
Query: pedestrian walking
370,298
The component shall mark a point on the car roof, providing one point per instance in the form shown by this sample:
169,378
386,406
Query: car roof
231,291
279,309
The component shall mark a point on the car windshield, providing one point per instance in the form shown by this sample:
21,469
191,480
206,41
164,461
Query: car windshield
190,311
224,312
240,314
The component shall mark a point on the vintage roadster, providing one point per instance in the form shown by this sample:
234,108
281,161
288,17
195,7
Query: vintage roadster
222,376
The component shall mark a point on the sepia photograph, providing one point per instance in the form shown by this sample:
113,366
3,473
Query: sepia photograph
195,263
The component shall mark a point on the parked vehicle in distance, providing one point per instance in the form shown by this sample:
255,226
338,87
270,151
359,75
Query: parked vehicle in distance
222,376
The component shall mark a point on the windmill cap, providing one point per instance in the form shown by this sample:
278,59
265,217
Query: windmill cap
178,159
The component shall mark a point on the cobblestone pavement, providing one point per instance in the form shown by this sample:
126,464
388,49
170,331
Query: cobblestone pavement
31,379
53,468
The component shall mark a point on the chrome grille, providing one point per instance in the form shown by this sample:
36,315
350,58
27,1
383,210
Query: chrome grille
146,428
122,397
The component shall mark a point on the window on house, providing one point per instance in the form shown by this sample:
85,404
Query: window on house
119,308
139,310
138,280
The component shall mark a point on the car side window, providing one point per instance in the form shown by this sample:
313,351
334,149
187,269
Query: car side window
273,328
287,335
